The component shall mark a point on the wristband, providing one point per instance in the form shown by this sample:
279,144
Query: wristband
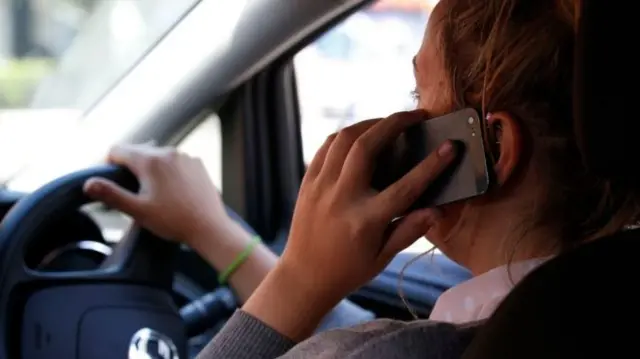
237,262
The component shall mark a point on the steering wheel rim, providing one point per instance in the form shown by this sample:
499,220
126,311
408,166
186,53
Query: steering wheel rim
49,310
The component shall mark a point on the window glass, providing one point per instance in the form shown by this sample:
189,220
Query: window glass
205,142
58,58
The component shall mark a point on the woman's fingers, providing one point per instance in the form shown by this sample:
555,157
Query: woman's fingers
113,195
365,150
356,149
317,162
407,230
397,198
130,156
337,153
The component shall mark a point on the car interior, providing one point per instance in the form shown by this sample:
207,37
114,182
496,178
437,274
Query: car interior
67,291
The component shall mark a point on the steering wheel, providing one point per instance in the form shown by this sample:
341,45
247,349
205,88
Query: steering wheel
123,309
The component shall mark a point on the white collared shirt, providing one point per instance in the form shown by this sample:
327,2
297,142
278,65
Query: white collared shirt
477,298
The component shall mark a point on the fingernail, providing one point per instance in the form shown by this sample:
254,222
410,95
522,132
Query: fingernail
446,149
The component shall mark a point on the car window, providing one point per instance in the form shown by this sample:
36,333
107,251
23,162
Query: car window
68,53
205,142
360,69
58,59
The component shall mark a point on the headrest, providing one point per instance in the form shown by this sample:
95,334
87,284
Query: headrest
582,304
606,89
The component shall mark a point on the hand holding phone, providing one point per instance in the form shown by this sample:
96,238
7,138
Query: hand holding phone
467,177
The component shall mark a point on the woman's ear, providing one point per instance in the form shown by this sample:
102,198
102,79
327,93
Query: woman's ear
505,137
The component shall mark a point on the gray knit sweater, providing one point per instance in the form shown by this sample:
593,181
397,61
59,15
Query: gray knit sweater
245,337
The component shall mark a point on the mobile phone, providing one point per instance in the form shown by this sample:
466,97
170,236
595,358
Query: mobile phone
467,177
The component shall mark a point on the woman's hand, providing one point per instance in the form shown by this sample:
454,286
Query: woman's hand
176,200
343,232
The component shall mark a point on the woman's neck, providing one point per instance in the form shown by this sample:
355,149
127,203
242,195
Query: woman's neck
494,247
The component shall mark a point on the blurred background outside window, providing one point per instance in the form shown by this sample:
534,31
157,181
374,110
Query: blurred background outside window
60,57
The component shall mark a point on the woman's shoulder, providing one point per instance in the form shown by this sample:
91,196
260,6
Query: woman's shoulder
385,338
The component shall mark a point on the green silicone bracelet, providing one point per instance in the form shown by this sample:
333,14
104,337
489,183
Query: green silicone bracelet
224,275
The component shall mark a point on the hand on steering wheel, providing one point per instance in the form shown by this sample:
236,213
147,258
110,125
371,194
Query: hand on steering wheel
176,201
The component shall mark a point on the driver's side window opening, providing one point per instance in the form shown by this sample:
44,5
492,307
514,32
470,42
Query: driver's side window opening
358,70
205,142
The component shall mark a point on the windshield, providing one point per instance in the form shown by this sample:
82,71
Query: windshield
60,57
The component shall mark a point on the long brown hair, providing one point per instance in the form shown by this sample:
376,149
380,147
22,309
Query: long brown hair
517,56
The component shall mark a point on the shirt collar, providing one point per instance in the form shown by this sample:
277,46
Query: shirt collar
477,298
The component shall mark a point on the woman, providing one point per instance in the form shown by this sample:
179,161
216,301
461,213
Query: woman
513,59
